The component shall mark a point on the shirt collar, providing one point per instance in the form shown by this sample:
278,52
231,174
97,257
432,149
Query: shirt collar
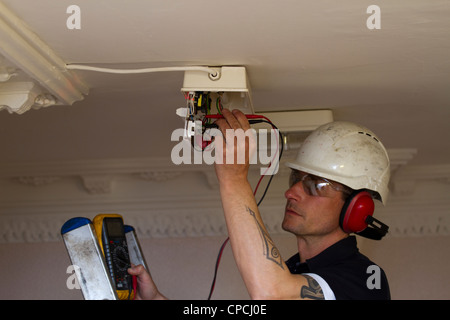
339,251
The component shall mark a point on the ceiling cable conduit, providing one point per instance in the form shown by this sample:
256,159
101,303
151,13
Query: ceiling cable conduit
214,73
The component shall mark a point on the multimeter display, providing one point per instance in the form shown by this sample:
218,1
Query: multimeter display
116,252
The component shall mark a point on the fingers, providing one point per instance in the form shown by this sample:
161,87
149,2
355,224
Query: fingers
232,120
138,271
236,119
236,145
242,119
222,123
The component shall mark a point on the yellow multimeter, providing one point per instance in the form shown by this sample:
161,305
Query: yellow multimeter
109,229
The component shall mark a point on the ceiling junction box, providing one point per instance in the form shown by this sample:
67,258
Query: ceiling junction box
232,85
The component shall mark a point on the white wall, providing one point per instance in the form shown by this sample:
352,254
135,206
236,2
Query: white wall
183,268
181,228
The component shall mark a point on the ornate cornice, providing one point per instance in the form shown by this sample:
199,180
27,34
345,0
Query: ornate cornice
164,200
37,181
406,178
207,221
98,176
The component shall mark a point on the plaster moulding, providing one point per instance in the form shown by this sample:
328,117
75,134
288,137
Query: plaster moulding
37,181
97,184
155,169
152,221
405,179
154,213
158,175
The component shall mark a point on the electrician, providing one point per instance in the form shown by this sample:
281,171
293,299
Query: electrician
339,169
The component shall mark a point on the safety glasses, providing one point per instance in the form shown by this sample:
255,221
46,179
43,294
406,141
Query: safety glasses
316,186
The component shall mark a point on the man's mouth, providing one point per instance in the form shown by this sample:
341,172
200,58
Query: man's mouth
291,210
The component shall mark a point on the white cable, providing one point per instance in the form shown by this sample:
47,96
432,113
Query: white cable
214,74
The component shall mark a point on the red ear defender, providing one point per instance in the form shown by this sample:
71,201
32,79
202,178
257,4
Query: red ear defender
355,212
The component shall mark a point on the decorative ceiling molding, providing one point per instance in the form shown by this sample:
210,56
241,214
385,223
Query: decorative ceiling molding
97,184
98,166
151,169
158,176
37,181
164,200
404,181
198,221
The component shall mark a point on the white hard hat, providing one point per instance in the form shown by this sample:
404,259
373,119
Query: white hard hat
346,153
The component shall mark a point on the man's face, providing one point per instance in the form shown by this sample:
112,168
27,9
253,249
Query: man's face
313,206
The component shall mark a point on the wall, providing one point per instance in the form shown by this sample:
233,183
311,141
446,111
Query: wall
180,225
183,268
417,267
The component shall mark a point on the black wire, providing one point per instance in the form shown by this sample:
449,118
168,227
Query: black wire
130,286
213,284
251,121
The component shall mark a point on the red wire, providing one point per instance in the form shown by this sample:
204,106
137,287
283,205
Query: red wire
248,116
218,116
217,267
223,247
134,280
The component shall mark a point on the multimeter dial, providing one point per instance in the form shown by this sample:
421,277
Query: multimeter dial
116,252
120,256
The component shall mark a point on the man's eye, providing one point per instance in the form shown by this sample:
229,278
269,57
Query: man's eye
294,179
312,190
321,185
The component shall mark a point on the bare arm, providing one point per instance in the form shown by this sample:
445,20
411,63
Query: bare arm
263,270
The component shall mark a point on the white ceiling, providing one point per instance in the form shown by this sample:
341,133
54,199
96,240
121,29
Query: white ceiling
298,54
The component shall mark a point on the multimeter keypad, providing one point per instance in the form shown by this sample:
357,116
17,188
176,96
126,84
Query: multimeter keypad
116,253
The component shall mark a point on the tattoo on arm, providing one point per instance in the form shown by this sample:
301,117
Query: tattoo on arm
269,249
312,290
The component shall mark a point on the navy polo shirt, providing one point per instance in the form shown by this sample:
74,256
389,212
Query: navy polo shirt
349,273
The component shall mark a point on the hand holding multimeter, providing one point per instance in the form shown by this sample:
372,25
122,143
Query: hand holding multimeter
111,235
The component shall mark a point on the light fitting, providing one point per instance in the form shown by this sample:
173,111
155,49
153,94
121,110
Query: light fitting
295,126
26,51
19,97
299,121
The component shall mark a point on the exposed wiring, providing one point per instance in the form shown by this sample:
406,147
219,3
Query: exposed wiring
214,73
198,107
213,284
131,281
279,158
219,105
248,116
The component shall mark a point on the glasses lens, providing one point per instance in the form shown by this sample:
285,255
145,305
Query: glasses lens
295,177
315,186
312,185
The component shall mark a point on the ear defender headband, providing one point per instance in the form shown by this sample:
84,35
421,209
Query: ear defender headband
356,216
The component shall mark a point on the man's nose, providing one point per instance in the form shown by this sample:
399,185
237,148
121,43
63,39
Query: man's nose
295,191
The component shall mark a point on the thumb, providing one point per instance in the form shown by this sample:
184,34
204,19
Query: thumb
136,270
